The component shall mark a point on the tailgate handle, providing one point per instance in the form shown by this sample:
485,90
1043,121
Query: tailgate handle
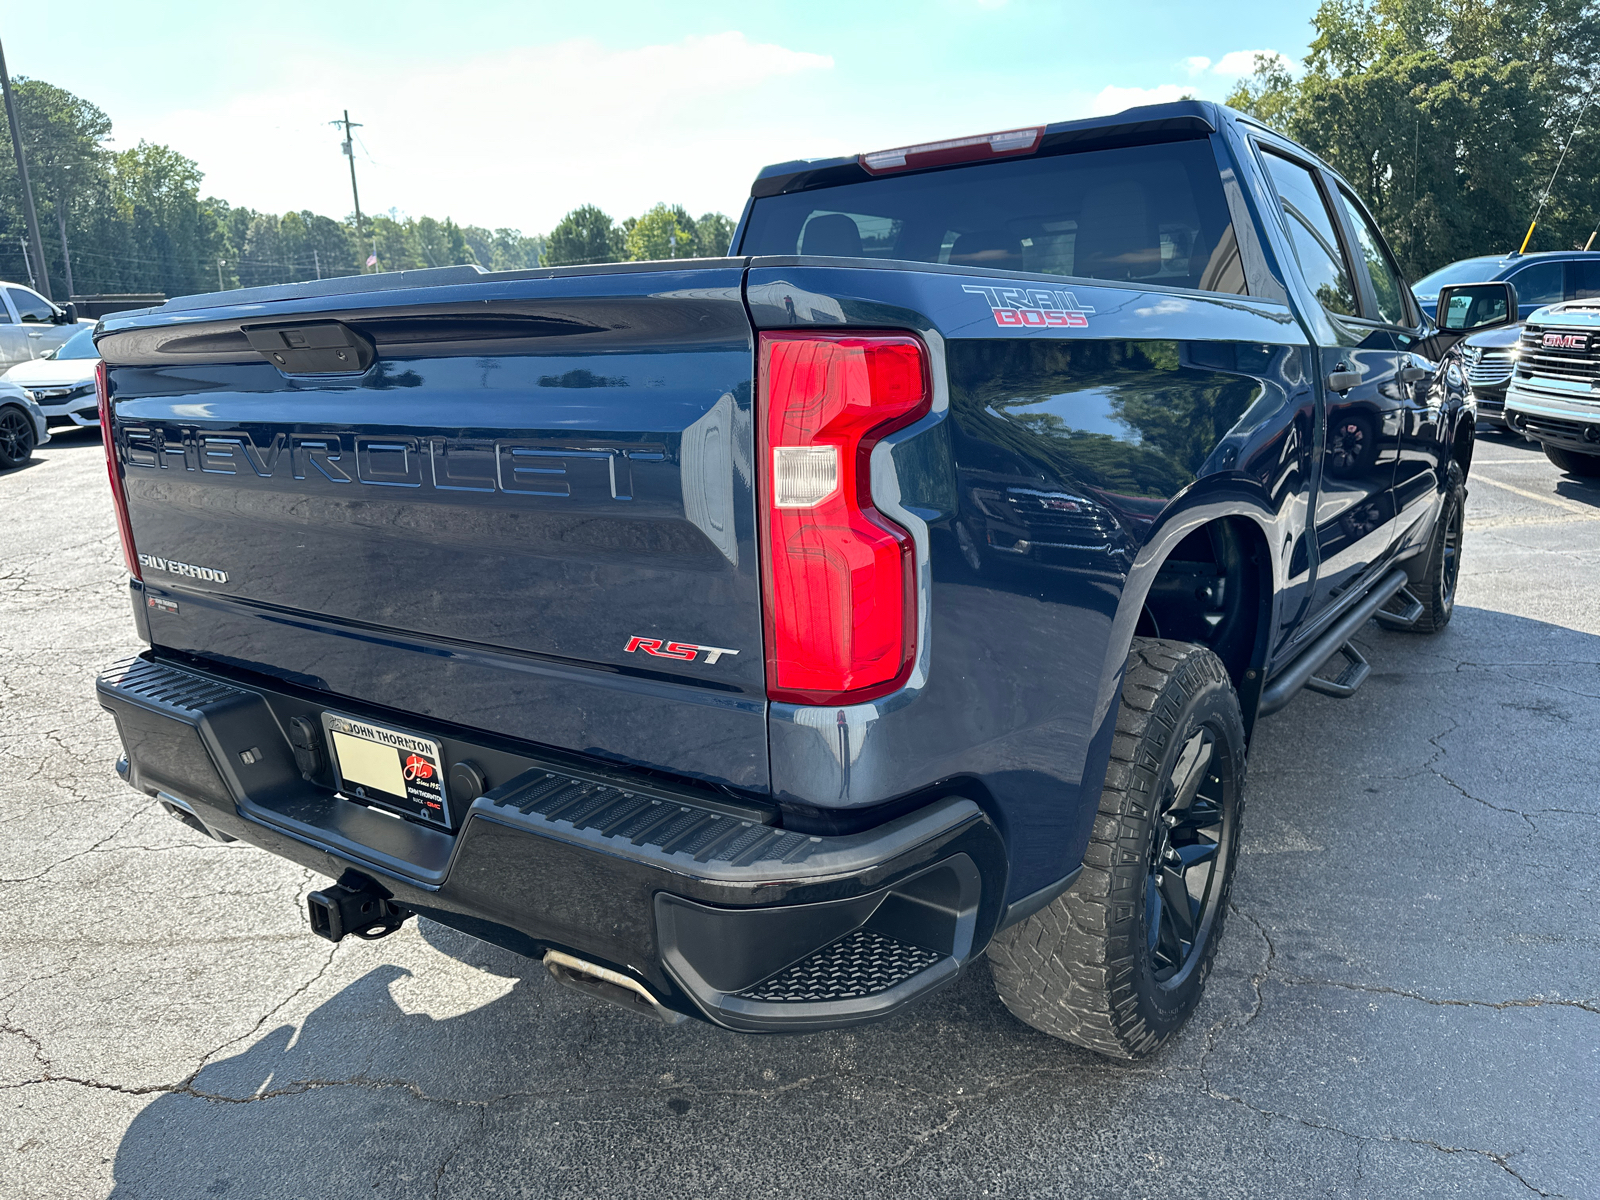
313,348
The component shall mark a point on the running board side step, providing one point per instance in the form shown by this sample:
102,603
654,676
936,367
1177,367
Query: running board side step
1355,673
1407,617
1334,640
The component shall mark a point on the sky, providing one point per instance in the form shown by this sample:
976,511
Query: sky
511,114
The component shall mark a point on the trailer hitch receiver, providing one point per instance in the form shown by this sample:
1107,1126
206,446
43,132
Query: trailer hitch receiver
361,910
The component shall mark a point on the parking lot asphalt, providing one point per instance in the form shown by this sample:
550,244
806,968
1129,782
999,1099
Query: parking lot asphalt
1406,1002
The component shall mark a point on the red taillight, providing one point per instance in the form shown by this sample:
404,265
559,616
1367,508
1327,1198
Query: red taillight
955,150
838,578
119,495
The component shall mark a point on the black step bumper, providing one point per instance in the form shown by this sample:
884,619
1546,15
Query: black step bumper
710,904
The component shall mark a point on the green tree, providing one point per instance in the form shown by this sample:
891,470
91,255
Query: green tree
584,235
662,233
1449,117
712,233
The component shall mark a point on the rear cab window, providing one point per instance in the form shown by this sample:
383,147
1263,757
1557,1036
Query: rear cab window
1141,215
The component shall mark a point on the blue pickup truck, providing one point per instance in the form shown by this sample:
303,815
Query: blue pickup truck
760,640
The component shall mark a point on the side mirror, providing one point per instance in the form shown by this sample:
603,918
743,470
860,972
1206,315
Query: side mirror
1473,307
72,313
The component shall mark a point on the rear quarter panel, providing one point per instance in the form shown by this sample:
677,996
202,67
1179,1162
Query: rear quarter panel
1060,464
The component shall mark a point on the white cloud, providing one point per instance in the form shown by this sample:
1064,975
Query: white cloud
1196,64
517,137
1113,99
1243,62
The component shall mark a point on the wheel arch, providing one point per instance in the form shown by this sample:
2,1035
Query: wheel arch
1239,532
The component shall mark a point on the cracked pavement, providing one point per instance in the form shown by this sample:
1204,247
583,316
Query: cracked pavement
1406,1001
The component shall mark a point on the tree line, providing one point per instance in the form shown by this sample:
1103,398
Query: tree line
135,221
1450,118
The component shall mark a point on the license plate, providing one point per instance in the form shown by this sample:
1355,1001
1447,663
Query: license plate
389,768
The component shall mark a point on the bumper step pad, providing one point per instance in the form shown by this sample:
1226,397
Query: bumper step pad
640,820
861,964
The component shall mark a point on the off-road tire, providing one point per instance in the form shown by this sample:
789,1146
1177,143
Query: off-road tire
1573,462
1084,968
1437,589
16,437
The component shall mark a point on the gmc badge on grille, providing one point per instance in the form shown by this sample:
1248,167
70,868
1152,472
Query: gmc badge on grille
1566,341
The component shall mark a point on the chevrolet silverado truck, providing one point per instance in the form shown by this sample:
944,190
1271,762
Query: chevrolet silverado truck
1551,398
762,639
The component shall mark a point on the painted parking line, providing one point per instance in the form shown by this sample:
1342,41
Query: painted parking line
1582,510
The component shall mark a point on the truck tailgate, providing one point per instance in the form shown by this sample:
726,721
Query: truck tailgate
479,528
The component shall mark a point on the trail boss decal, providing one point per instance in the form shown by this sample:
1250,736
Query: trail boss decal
682,651
1033,308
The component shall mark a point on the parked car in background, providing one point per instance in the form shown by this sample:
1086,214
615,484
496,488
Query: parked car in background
63,380
1540,279
1551,399
22,426
1488,358
30,325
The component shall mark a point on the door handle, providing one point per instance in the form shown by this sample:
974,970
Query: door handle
1343,381
1414,374
35,335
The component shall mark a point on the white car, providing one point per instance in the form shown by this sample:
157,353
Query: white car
63,380
22,426
30,325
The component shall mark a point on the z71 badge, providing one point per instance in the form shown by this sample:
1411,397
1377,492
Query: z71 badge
1033,308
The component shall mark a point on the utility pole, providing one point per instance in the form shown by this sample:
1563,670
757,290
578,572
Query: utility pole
219,274
43,281
316,261
350,153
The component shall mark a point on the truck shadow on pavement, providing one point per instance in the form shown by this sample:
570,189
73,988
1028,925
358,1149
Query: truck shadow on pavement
443,1066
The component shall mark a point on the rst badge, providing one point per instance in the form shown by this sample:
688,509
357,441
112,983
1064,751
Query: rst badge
1033,308
682,651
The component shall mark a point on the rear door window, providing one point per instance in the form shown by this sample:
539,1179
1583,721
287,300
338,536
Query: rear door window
1133,214
1313,231
1540,283
1386,283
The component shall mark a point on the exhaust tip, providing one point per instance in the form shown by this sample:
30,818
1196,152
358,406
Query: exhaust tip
611,986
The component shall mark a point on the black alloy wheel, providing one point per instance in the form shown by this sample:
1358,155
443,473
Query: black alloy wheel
1118,961
16,437
1436,590
1452,532
1190,845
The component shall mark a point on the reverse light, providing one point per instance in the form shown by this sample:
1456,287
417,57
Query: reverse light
838,578
119,494
955,150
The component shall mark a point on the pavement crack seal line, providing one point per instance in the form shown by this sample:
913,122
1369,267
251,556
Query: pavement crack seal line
1498,1005
438,1178
1503,1161
1434,742
205,1061
128,820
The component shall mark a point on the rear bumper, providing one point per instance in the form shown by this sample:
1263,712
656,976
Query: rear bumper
720,913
